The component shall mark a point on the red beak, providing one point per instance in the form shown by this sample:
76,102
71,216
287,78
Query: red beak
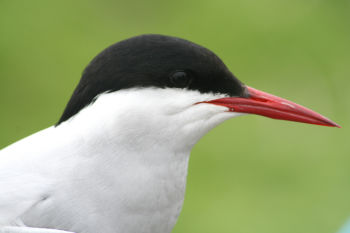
264,104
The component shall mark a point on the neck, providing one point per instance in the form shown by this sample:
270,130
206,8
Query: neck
138,142
144,169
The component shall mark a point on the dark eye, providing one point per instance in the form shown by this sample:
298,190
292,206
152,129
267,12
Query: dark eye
180,79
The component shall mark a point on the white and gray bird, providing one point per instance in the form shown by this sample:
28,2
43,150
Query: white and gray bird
116,161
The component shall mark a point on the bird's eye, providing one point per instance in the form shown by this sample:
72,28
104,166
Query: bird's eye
181,79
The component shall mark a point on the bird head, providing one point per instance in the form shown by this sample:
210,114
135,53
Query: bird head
171,87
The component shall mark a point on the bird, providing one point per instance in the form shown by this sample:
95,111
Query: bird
116,161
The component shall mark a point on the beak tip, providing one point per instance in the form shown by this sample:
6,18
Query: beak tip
331,124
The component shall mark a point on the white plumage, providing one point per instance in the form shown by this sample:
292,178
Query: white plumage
120,165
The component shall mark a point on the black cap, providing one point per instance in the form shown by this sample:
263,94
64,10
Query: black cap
152,61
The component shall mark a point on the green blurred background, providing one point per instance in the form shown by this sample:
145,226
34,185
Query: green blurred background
249,175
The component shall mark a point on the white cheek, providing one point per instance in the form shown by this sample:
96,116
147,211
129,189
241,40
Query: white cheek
205,118
153,116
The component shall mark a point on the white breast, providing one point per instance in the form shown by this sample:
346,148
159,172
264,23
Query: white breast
132,195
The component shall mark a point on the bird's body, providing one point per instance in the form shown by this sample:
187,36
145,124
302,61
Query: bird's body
78,196
85,177
117,160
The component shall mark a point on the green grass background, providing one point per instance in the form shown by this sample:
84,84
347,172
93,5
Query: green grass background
249,175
